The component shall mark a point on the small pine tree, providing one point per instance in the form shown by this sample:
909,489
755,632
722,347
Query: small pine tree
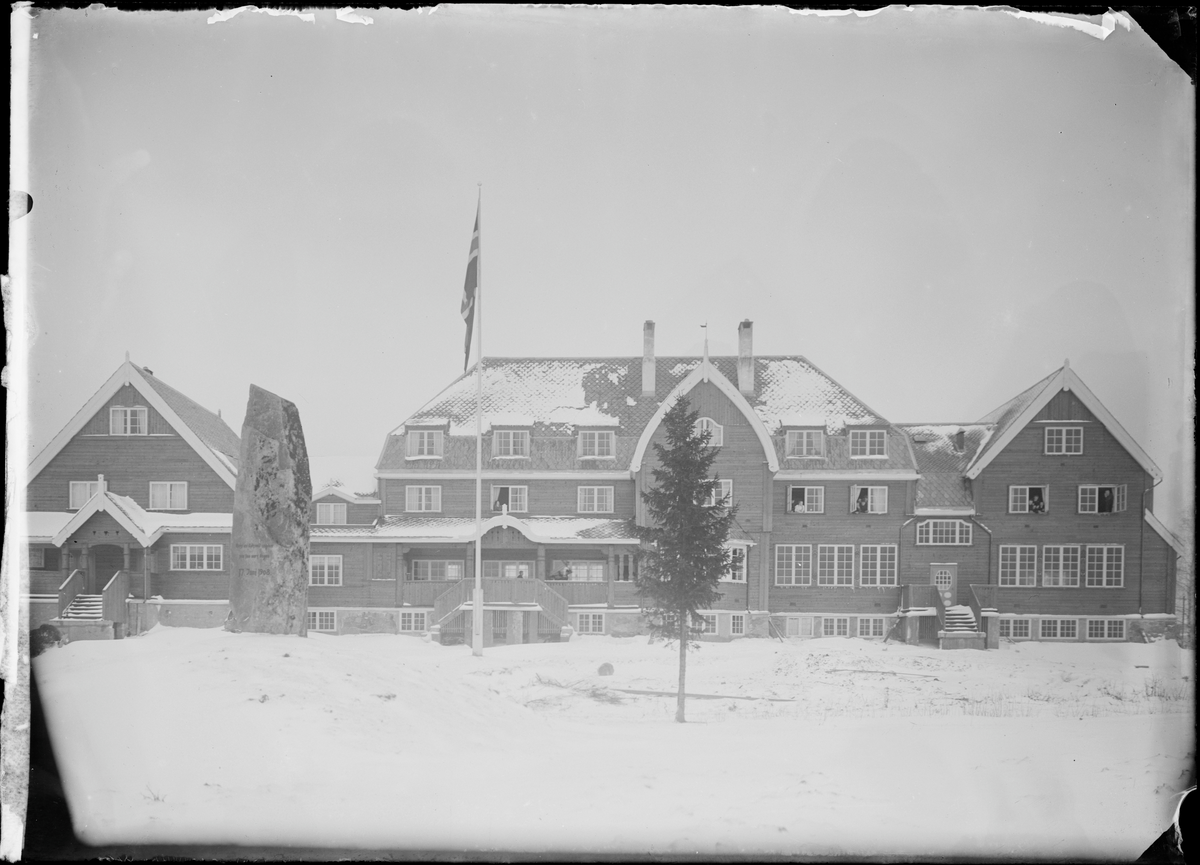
686,537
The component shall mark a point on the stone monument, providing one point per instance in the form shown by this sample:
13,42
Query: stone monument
268,591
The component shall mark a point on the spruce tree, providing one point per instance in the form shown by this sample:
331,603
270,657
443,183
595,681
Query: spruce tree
685,553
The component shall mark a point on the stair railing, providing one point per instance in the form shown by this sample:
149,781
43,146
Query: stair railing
72,586
112,599
552,604
983,599
940,606
450,600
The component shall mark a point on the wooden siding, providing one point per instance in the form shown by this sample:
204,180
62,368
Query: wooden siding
546,497
356,514
127,397
197,585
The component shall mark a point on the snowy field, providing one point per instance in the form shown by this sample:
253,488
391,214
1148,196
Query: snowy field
1035,750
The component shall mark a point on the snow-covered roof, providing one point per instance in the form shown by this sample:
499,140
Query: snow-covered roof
42,526
546,530
942,489
145,526
352,498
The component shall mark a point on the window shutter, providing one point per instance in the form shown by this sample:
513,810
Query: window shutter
884,503
853,497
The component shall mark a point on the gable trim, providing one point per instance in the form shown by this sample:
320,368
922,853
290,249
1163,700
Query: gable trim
342,494
100,503
1163,532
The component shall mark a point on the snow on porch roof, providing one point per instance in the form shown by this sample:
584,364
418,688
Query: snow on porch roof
548,530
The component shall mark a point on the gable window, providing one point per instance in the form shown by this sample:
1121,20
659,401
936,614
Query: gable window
437,569
803,443
1018,565
168,495
737,565
1028,500
331,513
868,500
423,444
595,500
412,621
423,499
1064,440
793,565
950,533
324,570
591,623
1102,498
877,565
127,421
496,570
1060,565
81,492
510,443
597,444
720,494
1105,566
835,565
322,620
805,500
516,499
868,443
196,557
716,431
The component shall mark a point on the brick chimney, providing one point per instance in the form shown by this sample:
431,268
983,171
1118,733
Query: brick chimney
746,357
648,359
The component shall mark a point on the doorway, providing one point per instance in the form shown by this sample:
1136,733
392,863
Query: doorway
107,560
945,579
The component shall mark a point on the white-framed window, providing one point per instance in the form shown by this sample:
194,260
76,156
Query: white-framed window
868,443
717,439
331,513
1103,498
737,564
168,495
805,500
510,443
877,564
1060,565
495,570
437,569
868,500
1064,440
1106,629
803,443
595,500
1105,566
128,421
707,623
423,499
1018,565
627,568
1028,500
835,565
324,570
591,623
597,444
1015,629
322,620
516,499
721,493
37,558
413,620
1058,629
81,492
836,626
197,557
423,444
585,571
793,565
737,625
946,533
872,627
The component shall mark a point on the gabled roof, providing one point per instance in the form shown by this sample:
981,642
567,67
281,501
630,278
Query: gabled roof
1012,417
1166,534
208,434
145,526
352,498
942,487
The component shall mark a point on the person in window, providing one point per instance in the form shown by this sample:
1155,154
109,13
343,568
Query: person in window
1037,503
797,500
501,499
1106,500
862,502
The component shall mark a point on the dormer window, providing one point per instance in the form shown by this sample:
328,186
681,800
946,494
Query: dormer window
1028,500
717,432
424,444
124,421
868,443
1064,440
597,444
802,443
510,443
331,513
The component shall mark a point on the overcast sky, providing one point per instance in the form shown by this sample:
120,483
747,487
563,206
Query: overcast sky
935,207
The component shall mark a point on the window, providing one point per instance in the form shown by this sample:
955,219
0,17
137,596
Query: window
868,500
594,444
322,620
324,570
1067,440
793,565
507,570
1102,498
436,569
516,499
37,558
168,495
414,621
805,500
865,443
805,443
1018,565
422,498
717,437
81,491
591,623
737,625
510,443
1015,629
1059,629
1105,567
877,565
721,494
835,565
944,533
707,623
835,627
737,565
595,500
423,444
585,571
1106,629
127,421
1028,500
627,568
196,557
331,513
870,627
1060,565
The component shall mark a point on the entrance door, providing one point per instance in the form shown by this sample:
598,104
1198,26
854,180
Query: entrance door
945,578
108,560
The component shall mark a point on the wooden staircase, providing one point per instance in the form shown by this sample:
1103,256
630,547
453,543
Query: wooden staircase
960,630
84,608
531,595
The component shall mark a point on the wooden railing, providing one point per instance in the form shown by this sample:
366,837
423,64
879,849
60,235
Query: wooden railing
940,606
450,600
984,598
71,587
579,592
917,595
504,591
112,599
423,593
553,605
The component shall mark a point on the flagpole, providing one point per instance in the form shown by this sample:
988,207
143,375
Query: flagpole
477,598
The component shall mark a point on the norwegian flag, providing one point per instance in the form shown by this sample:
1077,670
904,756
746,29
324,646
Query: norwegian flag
470,287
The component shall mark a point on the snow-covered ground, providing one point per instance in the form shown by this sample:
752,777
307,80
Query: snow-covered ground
1038,749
